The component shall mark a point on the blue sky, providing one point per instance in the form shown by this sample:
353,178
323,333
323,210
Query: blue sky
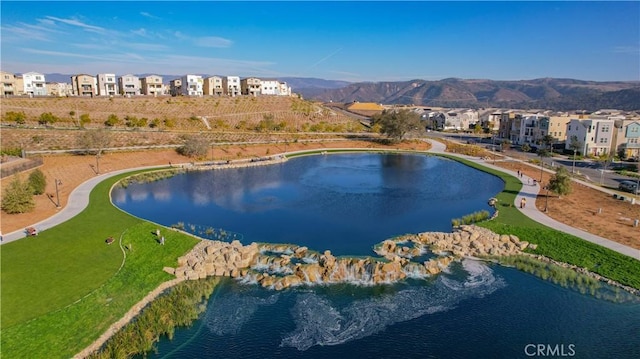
351,41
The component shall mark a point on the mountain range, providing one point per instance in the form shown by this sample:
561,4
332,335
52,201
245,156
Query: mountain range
545,93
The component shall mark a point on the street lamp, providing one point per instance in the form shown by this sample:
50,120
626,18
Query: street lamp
58,182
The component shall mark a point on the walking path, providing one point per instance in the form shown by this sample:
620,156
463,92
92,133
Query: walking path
530,192
79,200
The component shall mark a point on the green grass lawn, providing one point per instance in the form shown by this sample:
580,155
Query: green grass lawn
62,289
555,244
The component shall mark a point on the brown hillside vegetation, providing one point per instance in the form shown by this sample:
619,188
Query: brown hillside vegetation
172,113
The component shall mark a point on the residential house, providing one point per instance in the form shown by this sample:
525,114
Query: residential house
84,85
107,85
8,84
627,138
558,126
269,87
191,85
250,86
531,130
284,89
231,85
34,84
213,86
507,121
152,86
594,135
129,85
175,87
59,89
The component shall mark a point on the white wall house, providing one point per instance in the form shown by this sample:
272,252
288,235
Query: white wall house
191,85
34,84
269,87
107,85
595,135
59,89
231,85
129,85
284,89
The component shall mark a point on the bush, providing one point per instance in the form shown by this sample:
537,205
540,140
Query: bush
84,119
18,117
112,120
47,118
37,182
18,197
194,146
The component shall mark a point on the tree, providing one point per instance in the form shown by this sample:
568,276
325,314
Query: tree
560,182
477,129
504,145
542,152
575,145
94,141
194,146
526,148
37,181
47,118
112,120
397,124
18,197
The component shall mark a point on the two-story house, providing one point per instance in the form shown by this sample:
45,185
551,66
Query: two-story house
129,85
152,86
250,86
34,84
213,86
84,85
175,87
191,85
59,89
231,85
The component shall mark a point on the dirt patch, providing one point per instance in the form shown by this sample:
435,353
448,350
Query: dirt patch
72,170
586,208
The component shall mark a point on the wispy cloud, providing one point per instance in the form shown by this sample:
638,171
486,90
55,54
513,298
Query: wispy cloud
150,16
74,22
212,41
23,33
632,49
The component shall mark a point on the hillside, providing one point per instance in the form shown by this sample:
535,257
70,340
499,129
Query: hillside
548,93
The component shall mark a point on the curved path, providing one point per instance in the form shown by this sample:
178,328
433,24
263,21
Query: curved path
79,200
530,192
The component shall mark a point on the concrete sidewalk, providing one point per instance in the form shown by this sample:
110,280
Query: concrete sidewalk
530,191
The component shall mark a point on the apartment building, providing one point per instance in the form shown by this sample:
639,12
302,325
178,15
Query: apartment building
594,135
191,85
213,86
284,89
152,85
530,130
627,138
270,87
34,84
231,85
129,85
250,86
84,85
107,85
8,84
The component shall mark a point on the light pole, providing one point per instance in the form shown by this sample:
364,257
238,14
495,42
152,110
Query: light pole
58,182
546,198
573,168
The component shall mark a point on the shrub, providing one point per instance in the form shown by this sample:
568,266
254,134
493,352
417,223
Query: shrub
194,146
18,197
84,119
18,117
37,181
47,118
112,120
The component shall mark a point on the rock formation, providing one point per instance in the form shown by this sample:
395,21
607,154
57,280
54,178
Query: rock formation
281,266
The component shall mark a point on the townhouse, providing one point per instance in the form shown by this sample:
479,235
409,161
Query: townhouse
34,84
129,85
213,86
107,85
175,87
9,85
84,85
152,85
595,135
191,85
231,85
59,89
250,86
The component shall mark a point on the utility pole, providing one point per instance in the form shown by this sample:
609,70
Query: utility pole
58,182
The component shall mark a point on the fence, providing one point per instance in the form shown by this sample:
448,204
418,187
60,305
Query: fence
9,169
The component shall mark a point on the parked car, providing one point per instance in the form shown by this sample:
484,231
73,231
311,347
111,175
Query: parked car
629,186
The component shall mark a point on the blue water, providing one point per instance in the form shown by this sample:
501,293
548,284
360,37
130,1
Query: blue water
347,203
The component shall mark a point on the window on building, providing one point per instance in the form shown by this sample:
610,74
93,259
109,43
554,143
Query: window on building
603,140
605,128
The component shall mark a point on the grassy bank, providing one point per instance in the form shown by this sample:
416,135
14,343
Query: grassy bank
555,244
65,287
